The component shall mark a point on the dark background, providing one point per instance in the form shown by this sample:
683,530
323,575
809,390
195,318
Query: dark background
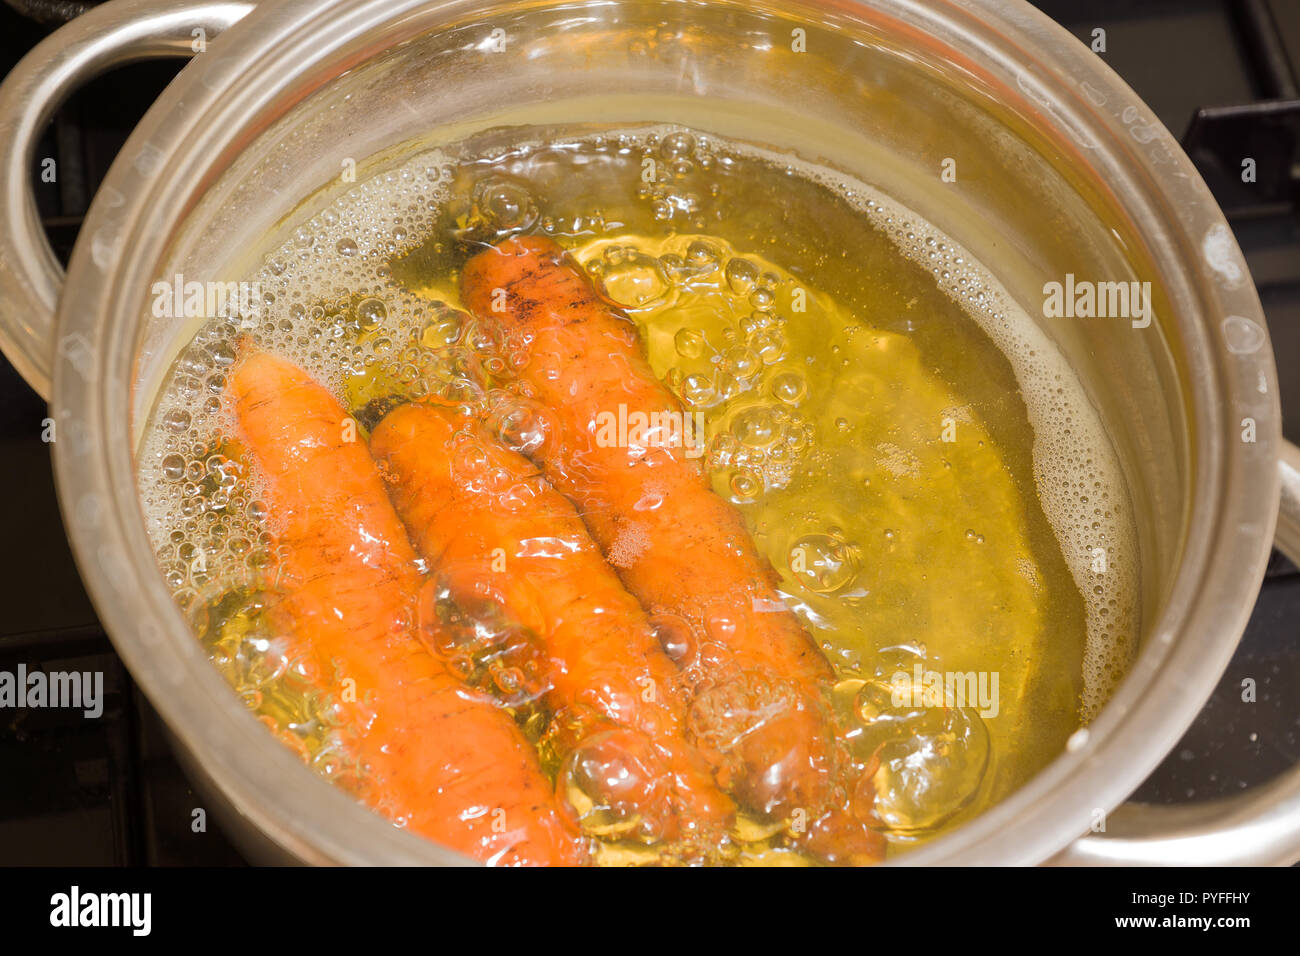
1219,73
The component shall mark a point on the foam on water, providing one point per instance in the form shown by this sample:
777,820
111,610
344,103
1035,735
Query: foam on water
322,287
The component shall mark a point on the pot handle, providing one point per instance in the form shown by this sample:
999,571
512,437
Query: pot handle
112,34
1261,827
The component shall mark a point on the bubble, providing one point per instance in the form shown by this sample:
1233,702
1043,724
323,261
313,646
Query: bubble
522,425
789,387
757,427
933,754
223,354
676,637
371,313
677,144
726,385
507,206
675,267
617,786
746,485
741,275
797,436
347,247
690,343
173,467
480,338
770,346
702,255
196,362
698,389
723,450
824,563
635,280
741,362
177,420
444,329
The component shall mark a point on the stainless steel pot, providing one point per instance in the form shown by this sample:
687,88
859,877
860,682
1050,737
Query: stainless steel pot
1061,169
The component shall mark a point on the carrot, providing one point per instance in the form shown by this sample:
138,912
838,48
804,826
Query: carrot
759,712
492,528
438,758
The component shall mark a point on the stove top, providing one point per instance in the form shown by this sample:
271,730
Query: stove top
107,791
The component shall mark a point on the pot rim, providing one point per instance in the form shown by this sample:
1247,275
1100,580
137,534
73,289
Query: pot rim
268,57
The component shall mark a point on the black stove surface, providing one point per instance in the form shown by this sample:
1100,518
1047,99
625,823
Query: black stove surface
107,791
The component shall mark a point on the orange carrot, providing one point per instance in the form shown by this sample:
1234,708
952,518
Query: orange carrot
759,712
492,528
438,758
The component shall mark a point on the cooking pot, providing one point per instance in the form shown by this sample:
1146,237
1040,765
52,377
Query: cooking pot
1060,169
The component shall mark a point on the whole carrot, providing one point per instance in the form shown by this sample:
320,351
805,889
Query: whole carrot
491,527
679,548
437,757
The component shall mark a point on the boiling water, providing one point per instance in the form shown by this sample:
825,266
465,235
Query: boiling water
910,452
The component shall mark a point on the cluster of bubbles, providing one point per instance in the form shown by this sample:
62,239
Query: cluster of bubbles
758,448
736,368
248,650
484,647
329,304
930,757
673,158
201,505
